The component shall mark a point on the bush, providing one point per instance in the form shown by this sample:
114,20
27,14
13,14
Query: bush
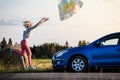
9,62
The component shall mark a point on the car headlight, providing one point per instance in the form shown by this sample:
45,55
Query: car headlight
61,53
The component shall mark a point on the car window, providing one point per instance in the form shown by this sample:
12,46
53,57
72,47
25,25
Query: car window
110,42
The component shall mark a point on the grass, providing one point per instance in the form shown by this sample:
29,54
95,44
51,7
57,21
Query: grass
42,65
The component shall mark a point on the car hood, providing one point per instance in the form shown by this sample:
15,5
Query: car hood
81,48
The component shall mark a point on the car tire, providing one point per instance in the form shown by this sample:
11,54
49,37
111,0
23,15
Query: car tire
77,64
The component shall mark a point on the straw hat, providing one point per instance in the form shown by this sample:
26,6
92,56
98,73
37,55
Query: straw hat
27,23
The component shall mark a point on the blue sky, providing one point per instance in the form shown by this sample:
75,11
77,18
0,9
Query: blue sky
95,19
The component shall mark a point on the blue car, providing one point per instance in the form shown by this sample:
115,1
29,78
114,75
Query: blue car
104,52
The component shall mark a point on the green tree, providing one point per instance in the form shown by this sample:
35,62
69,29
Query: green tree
3,43
79,43
82,43
46,50
52,52
37,52
10,42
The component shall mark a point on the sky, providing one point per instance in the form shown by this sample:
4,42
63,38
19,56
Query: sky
95,19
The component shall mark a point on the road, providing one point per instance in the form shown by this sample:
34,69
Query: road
60,76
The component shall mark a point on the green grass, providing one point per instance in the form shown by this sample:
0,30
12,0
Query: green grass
42,65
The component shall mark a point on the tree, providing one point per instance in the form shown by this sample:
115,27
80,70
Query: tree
10,42
3,43
82,43
37,52
47,50
66,44
52,52
79,43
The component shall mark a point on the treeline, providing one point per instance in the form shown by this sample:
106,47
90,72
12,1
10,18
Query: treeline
46,50
4,43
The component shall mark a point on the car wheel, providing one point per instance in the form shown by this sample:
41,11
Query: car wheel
78,64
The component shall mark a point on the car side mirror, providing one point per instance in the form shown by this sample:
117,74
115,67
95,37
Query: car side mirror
98,44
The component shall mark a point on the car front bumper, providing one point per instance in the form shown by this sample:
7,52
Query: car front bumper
59,64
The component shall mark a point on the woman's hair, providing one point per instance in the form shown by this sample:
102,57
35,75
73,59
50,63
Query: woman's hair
27,24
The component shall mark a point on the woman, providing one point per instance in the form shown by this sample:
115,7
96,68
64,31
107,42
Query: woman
26,35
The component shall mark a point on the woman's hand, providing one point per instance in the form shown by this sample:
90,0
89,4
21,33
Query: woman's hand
44,19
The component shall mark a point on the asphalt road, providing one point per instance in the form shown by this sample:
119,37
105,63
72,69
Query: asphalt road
60,76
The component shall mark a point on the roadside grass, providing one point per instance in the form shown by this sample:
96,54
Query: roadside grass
41,65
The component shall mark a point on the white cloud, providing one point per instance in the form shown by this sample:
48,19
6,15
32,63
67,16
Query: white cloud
10,22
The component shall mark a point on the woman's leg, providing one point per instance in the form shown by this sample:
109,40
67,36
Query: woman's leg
28,51
26,59
23,47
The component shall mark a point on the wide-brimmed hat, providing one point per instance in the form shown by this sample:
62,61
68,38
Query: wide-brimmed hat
27,23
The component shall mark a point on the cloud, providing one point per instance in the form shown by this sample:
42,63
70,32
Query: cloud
10,22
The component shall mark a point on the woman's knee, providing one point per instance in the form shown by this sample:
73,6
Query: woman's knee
29,54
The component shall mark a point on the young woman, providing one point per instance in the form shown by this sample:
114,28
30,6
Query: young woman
26,35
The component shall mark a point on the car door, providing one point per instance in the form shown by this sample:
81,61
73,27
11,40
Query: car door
108,52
